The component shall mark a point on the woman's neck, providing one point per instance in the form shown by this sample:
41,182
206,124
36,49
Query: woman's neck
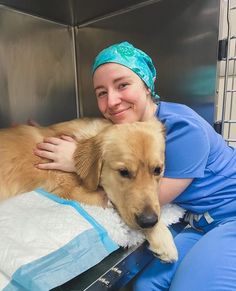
151,110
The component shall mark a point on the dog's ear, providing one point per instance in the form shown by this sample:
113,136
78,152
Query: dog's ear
88,162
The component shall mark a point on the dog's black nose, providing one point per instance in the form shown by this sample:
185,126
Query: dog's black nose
146,219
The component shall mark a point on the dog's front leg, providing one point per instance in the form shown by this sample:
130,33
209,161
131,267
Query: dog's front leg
161,242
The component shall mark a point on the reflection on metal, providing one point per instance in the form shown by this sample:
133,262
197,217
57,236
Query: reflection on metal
181,37
117,12
114,272
36,76
79,107
71,12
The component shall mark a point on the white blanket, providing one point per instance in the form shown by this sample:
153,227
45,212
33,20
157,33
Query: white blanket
46,241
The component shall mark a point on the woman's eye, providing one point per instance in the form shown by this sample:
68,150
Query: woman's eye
101,94
123,85
124,173
157,171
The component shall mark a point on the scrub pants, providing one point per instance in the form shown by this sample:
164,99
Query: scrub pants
207,256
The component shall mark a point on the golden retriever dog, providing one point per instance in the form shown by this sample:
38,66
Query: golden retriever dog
126,160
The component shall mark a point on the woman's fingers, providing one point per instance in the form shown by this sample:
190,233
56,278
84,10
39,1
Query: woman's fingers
45,146
48,166
67,138
44,154
50,144
52,140
59,151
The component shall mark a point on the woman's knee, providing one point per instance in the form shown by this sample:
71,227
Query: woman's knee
156,276
218,271
154,283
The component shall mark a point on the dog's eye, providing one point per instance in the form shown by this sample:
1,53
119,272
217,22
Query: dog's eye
157,171
124,173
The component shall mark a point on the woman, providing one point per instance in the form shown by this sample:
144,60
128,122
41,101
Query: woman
200,173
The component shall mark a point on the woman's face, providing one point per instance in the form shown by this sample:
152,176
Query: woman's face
121,95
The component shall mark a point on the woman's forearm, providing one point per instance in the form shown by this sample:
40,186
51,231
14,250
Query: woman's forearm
171,188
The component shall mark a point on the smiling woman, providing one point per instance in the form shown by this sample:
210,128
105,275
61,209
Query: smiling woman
199,173
123,79
121,95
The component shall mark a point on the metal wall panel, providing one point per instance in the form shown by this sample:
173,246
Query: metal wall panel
182,38
71,12
36,70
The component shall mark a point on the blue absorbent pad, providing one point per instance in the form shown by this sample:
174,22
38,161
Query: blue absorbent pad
46,241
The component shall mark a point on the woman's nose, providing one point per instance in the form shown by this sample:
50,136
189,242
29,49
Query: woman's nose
113,99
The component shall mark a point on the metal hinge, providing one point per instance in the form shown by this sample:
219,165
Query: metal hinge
218,126
222,49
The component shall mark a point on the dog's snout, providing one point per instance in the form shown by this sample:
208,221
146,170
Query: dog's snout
146,219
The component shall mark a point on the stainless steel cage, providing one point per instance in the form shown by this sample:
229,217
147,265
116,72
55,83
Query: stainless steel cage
228,72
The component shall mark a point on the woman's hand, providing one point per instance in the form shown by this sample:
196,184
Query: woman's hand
59,150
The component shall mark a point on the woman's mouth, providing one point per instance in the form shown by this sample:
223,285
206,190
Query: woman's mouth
118,113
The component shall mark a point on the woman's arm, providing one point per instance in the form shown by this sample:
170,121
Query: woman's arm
59,150
170,188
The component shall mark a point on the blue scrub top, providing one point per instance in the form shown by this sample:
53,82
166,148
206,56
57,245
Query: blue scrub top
195,150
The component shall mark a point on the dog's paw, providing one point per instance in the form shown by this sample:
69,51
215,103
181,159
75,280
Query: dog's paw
166,254
161,243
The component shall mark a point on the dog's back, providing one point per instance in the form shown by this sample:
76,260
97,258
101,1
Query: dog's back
17,159
18,172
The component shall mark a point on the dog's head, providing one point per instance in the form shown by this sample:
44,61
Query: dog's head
127,160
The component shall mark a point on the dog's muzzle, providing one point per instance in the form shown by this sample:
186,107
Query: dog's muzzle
146,219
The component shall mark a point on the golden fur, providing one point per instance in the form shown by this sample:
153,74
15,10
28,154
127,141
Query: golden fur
126,160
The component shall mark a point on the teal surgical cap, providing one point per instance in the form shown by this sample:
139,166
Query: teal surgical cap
136,60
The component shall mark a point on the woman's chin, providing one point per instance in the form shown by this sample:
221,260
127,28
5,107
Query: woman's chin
126,116
125,119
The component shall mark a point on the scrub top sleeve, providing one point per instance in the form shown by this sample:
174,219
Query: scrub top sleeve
187,148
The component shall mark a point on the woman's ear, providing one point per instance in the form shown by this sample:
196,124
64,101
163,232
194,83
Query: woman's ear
148,91
88,162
